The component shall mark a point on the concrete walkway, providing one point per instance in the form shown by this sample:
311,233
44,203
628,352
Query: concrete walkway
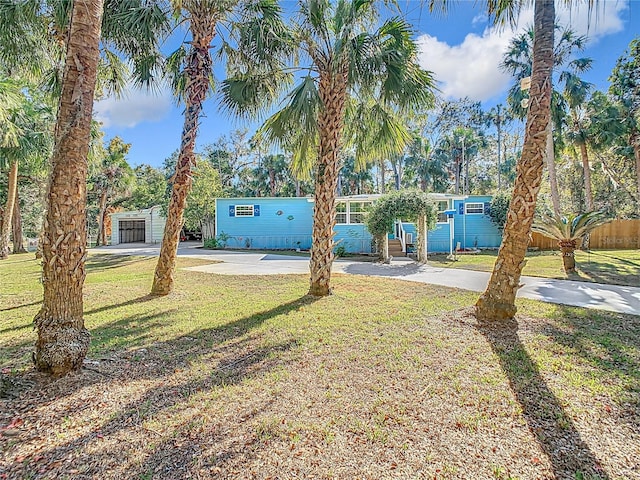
613,298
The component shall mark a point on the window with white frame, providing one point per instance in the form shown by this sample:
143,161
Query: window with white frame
244,211
357,211
341,212
474,208
441,206
351,212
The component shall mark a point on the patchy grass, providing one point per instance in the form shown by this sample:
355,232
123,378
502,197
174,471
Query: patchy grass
246,377
615,267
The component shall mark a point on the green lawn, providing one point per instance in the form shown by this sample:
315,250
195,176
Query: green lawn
247,377
616,267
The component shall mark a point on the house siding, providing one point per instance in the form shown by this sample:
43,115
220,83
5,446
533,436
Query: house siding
283,223
355,238
475,230
286,223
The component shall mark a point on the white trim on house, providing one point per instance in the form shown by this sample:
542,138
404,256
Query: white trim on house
478,208
244,210
349,216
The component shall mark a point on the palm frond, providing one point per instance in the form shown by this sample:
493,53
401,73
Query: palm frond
300,114
174,67
294,128
247,95
135,28
113,74
375,131
570,227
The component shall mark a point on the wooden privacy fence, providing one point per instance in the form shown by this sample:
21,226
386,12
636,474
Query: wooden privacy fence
618,234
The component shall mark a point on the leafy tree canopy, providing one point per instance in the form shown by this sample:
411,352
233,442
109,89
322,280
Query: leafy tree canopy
407,205
499,208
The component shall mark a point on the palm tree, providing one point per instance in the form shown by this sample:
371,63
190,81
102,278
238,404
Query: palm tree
202,17
457,149
498,300
518,60
499,118
11,100
26,139
568,231
424,166
112,175
625,88
575,92
351,64
133,28
63,340
192,71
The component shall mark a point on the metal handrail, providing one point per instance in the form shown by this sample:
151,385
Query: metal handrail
401,235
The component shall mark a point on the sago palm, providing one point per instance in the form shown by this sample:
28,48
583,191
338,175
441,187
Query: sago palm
359,76
568,231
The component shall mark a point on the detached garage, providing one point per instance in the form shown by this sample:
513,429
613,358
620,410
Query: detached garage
140,226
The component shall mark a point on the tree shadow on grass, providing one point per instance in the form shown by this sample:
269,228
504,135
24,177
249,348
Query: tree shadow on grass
227,355
144,298
116,446
15,307
570,456
626,261
105,261
601,270
609,343
16,328
384,270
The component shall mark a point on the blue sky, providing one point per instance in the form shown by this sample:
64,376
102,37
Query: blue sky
460,48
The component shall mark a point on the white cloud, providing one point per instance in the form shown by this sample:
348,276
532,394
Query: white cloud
469,69
472,67
605,19
135,107
480,19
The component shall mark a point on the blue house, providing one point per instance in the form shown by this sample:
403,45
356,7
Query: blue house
286,223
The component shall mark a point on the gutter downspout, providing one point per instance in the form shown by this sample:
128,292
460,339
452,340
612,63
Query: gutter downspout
151,223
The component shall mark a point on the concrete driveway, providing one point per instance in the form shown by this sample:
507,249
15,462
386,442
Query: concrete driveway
613,298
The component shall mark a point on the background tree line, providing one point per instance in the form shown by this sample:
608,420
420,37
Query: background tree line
457,146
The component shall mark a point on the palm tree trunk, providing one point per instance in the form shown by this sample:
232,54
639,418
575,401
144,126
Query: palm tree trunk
63,340
635,143
499,131
588,195
5,232
550,158
197,71
332,92
422,239
101,238
383,248
272,182
16,227
498,301
568,256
